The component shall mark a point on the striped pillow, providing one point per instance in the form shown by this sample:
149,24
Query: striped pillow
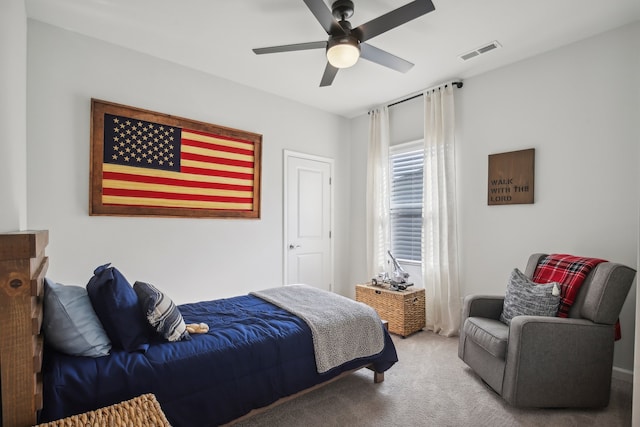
161,312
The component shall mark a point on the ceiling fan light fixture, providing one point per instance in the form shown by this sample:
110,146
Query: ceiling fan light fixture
343,47
343,52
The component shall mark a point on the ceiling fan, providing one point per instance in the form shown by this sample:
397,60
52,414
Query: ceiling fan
345,44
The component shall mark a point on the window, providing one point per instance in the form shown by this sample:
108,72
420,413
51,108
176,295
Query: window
406,163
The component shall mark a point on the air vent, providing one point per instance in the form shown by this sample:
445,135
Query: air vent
469,55
479,51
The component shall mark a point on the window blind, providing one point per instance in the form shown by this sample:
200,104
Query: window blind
406,171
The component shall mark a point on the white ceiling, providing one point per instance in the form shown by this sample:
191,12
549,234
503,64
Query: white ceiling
217,36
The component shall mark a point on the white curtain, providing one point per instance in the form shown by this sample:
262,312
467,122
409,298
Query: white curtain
439,234
378,191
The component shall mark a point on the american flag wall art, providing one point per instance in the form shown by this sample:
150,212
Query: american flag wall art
152,164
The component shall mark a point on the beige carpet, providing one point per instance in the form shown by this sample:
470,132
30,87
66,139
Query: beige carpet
429,386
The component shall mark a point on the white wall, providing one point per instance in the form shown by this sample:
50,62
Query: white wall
13,115
578,106
357,219
191,259
406,121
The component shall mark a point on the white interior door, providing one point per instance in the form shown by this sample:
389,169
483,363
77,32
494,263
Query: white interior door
308,251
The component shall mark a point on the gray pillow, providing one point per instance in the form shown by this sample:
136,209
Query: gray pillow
70,324
161,313
527,298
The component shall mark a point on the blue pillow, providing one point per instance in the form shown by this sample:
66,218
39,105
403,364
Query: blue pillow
70,324
116,305
162,314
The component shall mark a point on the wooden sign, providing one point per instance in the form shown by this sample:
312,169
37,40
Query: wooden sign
152,164
511,177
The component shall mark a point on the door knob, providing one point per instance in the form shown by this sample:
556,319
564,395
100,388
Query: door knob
291,246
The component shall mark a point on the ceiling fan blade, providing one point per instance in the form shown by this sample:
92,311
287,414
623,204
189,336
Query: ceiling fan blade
290,47
325,17
395,18
382,57
329,74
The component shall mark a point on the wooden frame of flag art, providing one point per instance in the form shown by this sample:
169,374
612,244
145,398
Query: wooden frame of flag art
145,163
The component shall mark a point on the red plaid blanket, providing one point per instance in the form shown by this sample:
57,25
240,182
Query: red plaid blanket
570,271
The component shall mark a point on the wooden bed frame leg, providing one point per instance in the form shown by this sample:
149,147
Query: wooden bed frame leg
378,377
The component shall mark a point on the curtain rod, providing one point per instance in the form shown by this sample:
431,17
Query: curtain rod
456,84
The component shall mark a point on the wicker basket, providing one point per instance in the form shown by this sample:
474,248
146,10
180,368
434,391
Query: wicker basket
405,310
142,411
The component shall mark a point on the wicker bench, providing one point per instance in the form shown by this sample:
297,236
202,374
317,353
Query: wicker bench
142,411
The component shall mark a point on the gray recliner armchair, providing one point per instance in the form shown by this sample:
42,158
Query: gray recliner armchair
548,361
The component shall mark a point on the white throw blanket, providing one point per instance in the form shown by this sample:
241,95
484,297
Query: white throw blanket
342,329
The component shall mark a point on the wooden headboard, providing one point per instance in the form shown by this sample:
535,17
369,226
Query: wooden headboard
23,266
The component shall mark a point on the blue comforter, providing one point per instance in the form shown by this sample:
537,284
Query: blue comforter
253,354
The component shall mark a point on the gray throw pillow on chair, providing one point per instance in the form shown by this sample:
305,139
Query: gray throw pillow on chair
527,298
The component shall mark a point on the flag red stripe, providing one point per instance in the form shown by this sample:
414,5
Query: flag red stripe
170,181
216,160
208,146
211,135
172,196
210,172
153,206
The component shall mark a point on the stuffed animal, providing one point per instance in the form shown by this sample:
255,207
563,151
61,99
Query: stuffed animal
197,328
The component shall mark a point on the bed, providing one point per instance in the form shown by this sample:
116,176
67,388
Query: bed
254,355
